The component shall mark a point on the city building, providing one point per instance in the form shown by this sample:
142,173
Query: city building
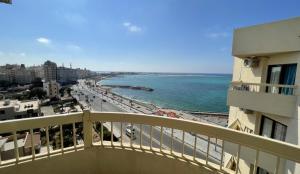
51,88
66,75
263,97
50,71
37,71
15,74
15,109
7,149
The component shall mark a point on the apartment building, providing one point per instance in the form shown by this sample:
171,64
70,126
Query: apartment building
66,75
263,96
50,71
15,109
51,88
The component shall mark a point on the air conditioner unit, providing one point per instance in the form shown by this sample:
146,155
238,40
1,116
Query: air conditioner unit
251,62
247,111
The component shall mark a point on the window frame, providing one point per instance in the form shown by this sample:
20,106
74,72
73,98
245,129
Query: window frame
274,122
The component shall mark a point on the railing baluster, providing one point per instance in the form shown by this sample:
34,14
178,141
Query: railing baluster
47,140
74,136
151,135
207,151
141,133
195,147
172,141
277,165
101,133
222,155
255,162
121,133
32,144
182,152
61,138
112,133
238,159
161,138
131,134
16,146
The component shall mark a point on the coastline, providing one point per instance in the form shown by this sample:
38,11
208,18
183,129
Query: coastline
149,108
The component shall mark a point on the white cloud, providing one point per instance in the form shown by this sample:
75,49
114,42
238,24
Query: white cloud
22,54
217,35
43,40
126,24
73,47
132,28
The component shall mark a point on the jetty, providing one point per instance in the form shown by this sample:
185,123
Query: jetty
130,87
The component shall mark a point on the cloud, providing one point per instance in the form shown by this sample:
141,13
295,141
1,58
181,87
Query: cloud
22,54
126,24
43,40
216,35
131,27
73,47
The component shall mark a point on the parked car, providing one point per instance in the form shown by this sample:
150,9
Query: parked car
130,128
103,100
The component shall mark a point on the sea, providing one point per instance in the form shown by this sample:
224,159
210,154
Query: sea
187,92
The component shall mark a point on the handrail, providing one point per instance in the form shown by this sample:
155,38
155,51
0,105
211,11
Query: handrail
263,84
275,147
88,118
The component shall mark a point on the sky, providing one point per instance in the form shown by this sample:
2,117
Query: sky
192,36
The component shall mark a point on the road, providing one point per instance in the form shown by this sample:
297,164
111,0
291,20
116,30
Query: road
96,103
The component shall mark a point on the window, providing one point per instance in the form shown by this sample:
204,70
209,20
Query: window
2,112
281,74
272,129
261,171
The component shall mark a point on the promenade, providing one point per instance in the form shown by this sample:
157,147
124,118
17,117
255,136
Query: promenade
115,103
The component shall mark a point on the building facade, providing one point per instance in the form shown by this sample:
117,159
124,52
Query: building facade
263,97
51,88
15,109
50,71
66,75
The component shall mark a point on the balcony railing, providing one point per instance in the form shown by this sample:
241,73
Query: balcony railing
267,98
264,88
81,129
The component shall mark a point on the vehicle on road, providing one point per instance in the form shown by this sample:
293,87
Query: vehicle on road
103,100
130,129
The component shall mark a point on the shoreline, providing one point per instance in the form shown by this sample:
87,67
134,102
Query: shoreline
149,108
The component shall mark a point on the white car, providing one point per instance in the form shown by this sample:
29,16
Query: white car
128,131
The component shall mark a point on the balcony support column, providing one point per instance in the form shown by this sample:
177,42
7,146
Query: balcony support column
87,129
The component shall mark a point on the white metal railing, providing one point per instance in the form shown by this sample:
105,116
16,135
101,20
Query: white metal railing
83,128
264,87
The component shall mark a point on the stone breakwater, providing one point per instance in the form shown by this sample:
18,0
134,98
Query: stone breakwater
130,87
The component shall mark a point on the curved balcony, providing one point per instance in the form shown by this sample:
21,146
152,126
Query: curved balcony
80,143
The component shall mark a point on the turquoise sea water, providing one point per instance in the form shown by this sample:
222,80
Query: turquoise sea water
192,92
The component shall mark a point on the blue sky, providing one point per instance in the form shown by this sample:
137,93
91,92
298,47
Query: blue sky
134,35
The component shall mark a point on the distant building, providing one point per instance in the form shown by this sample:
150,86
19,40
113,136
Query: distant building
51,88
66,75
15,109
23,75
7,147
37,71
50,71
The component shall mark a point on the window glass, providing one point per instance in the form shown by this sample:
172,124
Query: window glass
267,127
279,132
